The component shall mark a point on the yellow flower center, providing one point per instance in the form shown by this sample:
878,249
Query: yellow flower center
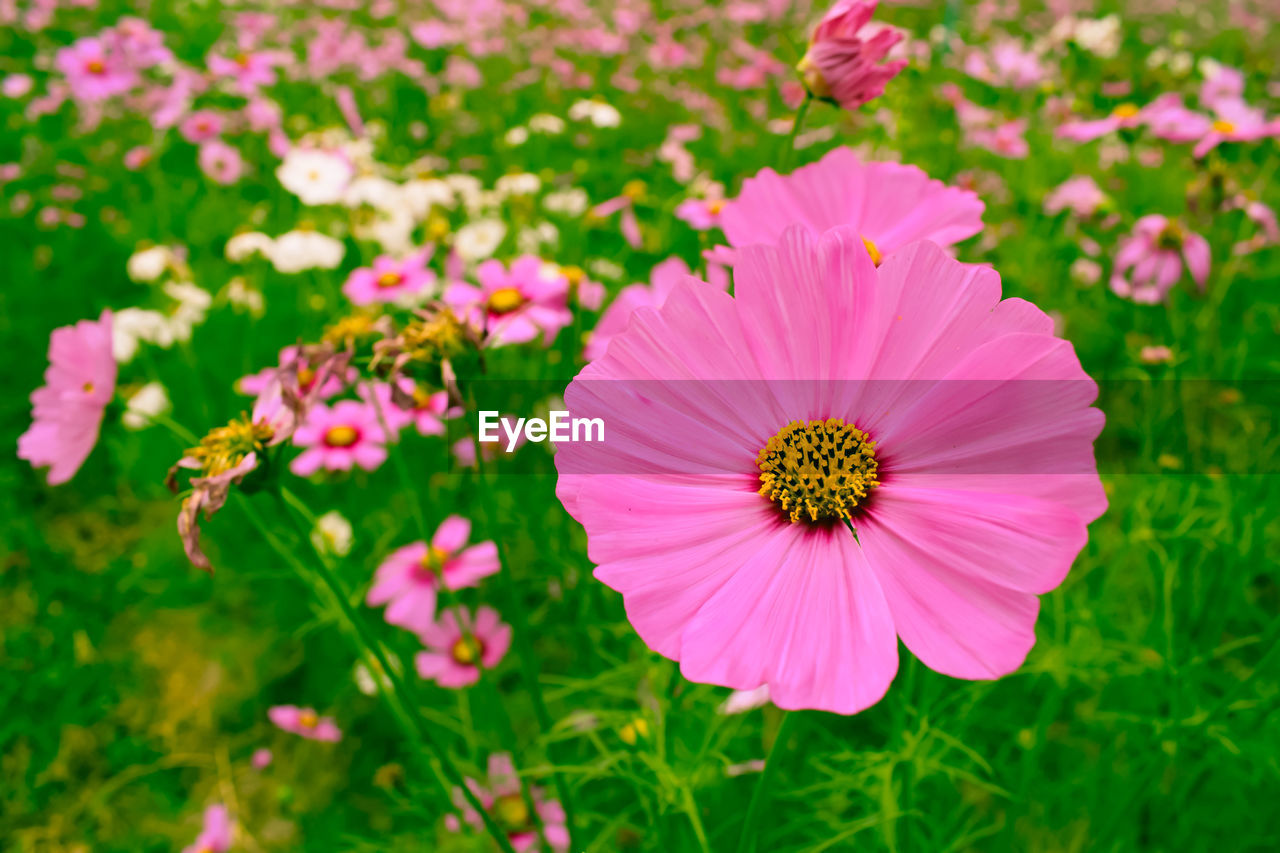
467,651
1125,111
437,227
341,436
1170,237
575,275
95,66
873,250
225,447
505,300
87,388
308,719
1224,126
634,731
390,279
818,471
242,59
512,812
634,190
812,77
714,206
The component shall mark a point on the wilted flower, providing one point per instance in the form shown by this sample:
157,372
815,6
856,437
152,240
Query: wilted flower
846,67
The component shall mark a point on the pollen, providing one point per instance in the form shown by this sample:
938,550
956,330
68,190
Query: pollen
1224,126
873,250
466,652
390,279
715,206
308,719
818,471
1125,111
505,300
341,436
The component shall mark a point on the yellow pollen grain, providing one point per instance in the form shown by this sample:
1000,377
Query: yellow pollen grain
1224,126
873,250
818,471
390,279
341,436
505,300
466,652
1125,111
308,719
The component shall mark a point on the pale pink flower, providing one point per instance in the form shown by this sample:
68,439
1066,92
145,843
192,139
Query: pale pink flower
339,438
94,69
201,126
513,305
391,279
1222,85
890,204
408,580
700,213
1006,139
457,646
217,833
1236,121
1079,194
248,70
1149,261
1123,117
308,371
1268,233
221,162
1006,63
137,157
955,434
411,404
16,85
843,65
1155,355
67,410
628,223
505,803
304,722
261,758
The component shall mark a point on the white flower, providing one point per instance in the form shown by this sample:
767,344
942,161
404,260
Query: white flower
598,113
149,264
375,191
530,240
243,246
423,194
143,406
191,305
517,136
315,176
605,268
129,326
480,239
245,298
572,201
523,183
392,230
332,534
467,188
1100,36
740,701
546,123
304,249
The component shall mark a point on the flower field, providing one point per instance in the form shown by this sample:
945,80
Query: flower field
640,425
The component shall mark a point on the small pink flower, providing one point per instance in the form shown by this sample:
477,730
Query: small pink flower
94,70
308,372
514,305
216,834
1235,121
248,70
67,410
390,279
1005,64
221,162
1149,261
1005,139
504,801
1080,194
137,157
338,438
305,722
842,65
451,655
409,578
261,759
201,126
16,85
412,405
701,213
1155,355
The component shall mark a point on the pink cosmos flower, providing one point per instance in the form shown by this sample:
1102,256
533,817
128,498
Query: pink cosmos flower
216,834
843,66
1080,194
332,384
1149,261
411,404
94,70
249,70
201,126
504,801
338,438
1236,121
951,430
700,213
390,279
305,722
1222,85
1005,64
515,305
890,204
662,280
1268,232
221,162
261,758
67,410
1005,139
1123,117
17,85
408,579
451,655
137,157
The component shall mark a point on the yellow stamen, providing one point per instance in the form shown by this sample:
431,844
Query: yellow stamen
505,300
437,228
714,206
512,812
390,279
812,77
873,250
575,275
87,388
341,436
634,190
308,719
1125,111
225,447
818,471
1224,126
466,652
95,66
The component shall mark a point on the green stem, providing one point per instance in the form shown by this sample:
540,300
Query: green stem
790,145
747,841
398,696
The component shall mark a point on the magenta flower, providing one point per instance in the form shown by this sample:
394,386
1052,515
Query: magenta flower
505,803
409,578
1236,121
1005,139
338,438
1080,194
515,305
221,162
451,656
890,204
1123,117
67,410
701,214
332,384
201,126
261,758
952,431
662,280
216,834
391,279
1149,261
413,404
95,70
305,722
846,67
248,71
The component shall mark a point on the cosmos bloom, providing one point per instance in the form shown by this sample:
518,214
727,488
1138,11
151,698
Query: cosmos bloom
1149,261
201,126
1005,64
955,436
846,67
513,305
890,204
1236,121
505,803
701,214
308,371
1079,194
616,317
1123,117
249,70
451,655
304,722
94,70
221,162
390,279
67,410
315,176
1006,139
339,438
216,834
409,577
411,403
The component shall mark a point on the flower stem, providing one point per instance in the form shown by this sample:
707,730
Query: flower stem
747,841
398,697
790,145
